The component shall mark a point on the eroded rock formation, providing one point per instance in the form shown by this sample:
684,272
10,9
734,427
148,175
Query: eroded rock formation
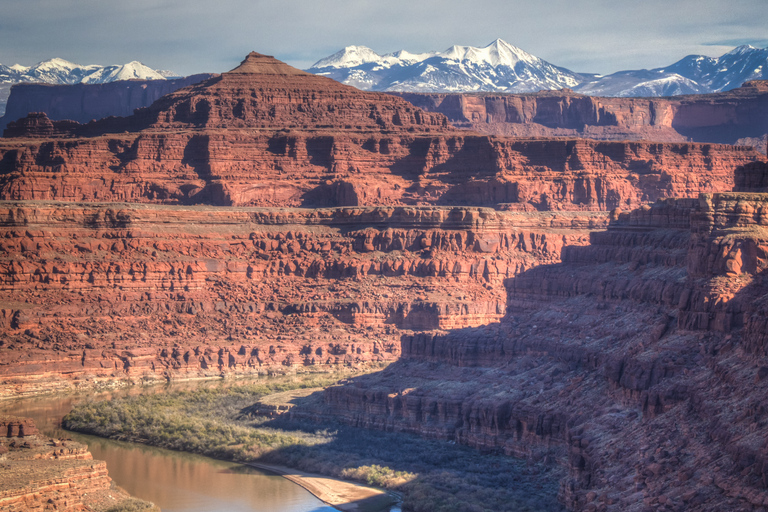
84,102
40,473
634,355
104,292
639,363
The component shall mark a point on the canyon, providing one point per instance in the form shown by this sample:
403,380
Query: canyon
599,305
637,362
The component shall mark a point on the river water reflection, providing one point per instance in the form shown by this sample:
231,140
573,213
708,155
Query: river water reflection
176,482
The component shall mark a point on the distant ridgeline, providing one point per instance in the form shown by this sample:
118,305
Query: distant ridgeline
85,102
739,116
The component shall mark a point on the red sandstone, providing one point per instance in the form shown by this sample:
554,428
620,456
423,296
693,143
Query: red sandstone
266,134
41,474
724,117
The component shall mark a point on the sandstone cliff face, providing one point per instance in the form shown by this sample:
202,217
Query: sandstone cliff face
84,102
104,292
50,474
266,134
242,168
722,117
638,363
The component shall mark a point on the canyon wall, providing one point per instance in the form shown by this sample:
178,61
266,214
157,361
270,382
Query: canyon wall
241,168
84,102
103,292
721,118
167,245
638,363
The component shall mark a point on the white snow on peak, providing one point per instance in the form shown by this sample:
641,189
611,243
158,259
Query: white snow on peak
406,57
500,66
131,71
55,64
348,57
744,48
498,53
167,73
61,71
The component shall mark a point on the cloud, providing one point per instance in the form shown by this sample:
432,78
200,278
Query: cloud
758,43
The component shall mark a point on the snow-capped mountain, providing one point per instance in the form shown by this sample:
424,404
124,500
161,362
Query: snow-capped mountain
60,71
132,70
641,83
501,67
496,67
694,74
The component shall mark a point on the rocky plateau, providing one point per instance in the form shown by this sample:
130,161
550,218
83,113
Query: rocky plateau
599,305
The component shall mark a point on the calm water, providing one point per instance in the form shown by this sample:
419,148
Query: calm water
176,482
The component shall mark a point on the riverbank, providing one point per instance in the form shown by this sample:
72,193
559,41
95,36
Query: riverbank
431,475
340,494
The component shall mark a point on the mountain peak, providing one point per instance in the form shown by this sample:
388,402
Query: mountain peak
258,64
53,63
349,56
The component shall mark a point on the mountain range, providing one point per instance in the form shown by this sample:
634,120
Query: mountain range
498,67
60,71
502,67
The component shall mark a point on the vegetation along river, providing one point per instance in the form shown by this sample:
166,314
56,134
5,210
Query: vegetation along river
176,482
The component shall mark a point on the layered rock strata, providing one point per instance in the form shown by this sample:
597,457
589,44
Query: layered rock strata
117,291
721,117
50,474
638,363
266,134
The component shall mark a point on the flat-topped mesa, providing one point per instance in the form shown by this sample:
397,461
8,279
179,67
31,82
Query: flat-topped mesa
265,93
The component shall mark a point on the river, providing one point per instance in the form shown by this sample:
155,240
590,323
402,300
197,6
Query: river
176,482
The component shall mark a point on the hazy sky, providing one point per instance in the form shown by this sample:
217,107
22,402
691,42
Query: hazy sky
191,36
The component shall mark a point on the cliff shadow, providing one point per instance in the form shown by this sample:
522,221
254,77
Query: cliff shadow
197,156
751,177
431,473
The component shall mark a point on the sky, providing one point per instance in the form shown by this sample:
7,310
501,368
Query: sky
196,36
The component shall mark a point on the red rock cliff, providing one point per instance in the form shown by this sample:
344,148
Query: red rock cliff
721,117
40,473
638,363
266,134
103,292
